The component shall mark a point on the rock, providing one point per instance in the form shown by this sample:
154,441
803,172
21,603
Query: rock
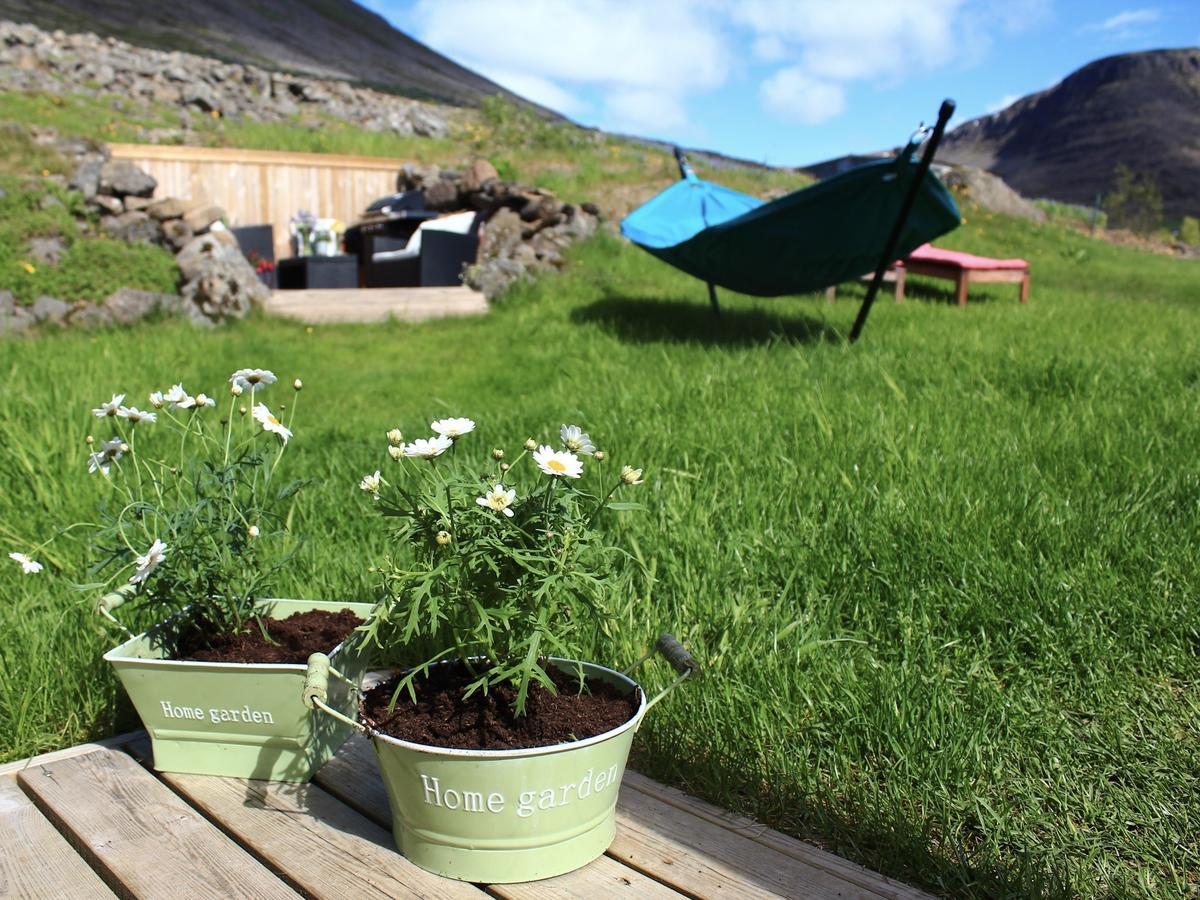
49,309
201,250
138,202
493,277
111,205
199,95
990,192
201,219
441,195
86,179
127,305
591,209
177,233
88,315
413,177
169,208
478,174
47,250
49,201
427,123
8,303
221,289
15,320
121,178
132,226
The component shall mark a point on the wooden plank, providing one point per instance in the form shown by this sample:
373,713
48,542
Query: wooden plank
144,840
377,304
353,776
769,837
119,740
326,848
191,154
35,860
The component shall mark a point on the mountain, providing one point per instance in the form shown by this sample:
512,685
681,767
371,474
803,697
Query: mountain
1140,109
326,38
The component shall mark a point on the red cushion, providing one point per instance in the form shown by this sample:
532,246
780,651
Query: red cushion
926,253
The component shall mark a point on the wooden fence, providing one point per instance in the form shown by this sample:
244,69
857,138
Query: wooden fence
259,186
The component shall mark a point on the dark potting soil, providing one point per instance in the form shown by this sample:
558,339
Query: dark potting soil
442,718
296,638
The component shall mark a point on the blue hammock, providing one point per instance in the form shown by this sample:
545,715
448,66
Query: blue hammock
825,234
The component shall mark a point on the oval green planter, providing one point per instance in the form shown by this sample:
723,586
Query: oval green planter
502,816
238,719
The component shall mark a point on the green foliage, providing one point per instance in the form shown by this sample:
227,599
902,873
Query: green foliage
1134,202
506,568
91,267
194,519
1189,231
1073,214
510,126
21,154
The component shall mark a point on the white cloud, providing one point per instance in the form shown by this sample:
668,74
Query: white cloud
1125,22
794,95
1004,102
644,60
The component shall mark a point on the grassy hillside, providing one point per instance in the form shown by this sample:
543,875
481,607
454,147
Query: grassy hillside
944,580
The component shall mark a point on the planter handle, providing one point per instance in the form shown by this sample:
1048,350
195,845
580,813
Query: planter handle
110,601
316,689
681,661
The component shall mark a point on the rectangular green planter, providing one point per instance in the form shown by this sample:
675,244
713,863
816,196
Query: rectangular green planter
237,719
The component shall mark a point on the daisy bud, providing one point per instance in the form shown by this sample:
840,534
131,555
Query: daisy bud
282,407
395,438
90,440
241,410
497,453
252,531
531,444
124,448
504,467
235,389
395,453
630,475
443,538
598,456
297,384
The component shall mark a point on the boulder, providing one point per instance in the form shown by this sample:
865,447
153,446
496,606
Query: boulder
138,202
223,289
200,251
127,305
199,95
112,205
413,177
88,315
990,192
441,195
169,208
177,233
202,218
121,178
47,250
86,179
132,226
478,174
49,309
427,123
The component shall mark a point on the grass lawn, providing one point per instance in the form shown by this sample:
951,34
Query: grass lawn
945,581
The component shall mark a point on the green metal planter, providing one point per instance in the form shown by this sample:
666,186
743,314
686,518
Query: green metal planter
237,719
503,816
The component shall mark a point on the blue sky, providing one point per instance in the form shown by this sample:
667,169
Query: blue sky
786,82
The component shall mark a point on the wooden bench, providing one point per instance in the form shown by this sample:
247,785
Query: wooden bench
95,820
964,269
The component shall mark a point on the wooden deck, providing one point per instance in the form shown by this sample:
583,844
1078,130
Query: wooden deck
377,304
94,821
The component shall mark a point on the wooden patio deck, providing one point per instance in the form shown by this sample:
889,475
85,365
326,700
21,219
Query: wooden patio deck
377,304
94,821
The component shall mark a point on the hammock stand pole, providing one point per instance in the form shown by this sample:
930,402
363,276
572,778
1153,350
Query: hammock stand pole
685,172
889,250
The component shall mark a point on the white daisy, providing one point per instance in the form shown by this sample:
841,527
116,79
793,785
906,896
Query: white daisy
576,440
175,394
251,379
396,453
452,428
428,448
270,423
111,408
157,400
109,452
370,484
148,563
630,475
557,462
498,499
135,415
28,566
252,531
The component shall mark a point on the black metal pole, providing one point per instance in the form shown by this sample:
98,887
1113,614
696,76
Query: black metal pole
712,298
889,249
685,167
